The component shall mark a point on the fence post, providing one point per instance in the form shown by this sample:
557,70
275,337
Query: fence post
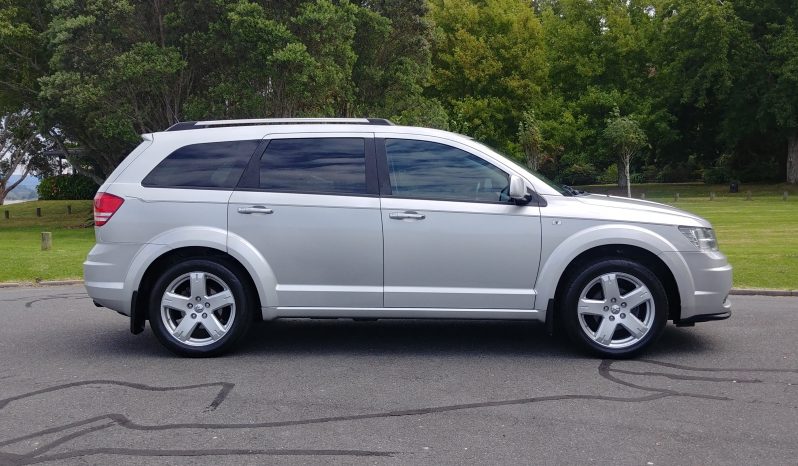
676,197
712,195
785,195
47,241
642,195
69,209
748,196
38,211
7,214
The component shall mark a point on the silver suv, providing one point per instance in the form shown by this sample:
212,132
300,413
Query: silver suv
209,226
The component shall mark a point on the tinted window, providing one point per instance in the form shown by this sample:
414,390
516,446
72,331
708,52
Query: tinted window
428,170
315,165
210,165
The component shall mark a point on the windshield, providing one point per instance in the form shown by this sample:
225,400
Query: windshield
564,190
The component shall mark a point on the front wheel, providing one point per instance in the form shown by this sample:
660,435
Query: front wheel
200,308
614,308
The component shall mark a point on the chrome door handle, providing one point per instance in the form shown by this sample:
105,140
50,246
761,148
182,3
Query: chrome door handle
256,209
407,216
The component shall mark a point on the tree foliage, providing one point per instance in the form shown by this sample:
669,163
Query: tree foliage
710,84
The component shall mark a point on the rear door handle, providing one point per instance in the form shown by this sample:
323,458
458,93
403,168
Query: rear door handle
408,215
256,209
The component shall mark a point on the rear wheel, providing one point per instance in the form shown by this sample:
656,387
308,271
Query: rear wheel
200,308
614,308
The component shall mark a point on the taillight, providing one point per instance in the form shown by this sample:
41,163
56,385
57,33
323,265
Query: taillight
105,206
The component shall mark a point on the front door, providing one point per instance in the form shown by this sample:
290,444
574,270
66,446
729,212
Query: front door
453,239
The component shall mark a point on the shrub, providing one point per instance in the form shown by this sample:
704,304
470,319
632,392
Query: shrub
716,175
610,175
579,174
67,187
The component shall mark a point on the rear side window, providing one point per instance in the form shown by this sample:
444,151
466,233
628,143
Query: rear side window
315,165
215,165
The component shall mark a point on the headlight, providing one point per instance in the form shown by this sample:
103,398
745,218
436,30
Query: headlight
702,238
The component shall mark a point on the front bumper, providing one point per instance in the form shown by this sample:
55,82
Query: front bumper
704,286
691,321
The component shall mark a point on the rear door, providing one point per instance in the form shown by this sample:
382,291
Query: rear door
309,203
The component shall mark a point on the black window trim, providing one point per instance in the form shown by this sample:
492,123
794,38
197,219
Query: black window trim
250,180
385,179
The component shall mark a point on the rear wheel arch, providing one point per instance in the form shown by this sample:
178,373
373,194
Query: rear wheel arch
139,309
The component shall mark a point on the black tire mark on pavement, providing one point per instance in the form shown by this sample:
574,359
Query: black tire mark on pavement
225,389
605,370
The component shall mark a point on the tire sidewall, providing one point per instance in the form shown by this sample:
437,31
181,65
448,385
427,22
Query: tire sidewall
243,303
569,310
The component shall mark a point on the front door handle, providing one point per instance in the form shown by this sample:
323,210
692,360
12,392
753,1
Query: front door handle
407,215
256,209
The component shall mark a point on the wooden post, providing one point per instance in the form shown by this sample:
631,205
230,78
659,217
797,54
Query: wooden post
38,211
47,241
642,195
676,197
748,195
7,214
785,195
69,209
712,195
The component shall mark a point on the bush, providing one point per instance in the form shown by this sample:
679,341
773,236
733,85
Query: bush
579,174
67,187
610,175
716,175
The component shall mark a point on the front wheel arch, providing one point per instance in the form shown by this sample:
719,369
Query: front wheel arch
621,251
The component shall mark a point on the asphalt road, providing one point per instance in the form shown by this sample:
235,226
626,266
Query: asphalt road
77,387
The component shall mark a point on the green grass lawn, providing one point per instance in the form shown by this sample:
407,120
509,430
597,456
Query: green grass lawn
760,236
21,257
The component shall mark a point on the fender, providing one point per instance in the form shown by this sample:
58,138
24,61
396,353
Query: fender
212,238
604,235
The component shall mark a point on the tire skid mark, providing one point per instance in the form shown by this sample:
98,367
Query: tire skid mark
605,370
225,389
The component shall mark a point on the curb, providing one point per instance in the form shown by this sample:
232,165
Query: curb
756,292
40,283
733,292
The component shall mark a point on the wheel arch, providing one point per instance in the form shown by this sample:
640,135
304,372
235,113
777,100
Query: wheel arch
172,256
620,241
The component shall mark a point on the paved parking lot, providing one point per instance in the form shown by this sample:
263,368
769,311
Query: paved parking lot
77,387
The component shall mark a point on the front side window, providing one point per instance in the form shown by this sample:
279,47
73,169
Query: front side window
430,170
215,165
315,165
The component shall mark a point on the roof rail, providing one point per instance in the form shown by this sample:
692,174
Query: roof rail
186,125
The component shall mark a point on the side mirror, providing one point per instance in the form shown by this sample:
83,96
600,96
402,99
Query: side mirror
518,189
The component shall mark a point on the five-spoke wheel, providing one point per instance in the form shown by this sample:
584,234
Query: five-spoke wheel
614,307
199,308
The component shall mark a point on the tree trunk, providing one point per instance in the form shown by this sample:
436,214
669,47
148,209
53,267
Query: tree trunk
627,160
792,157
3,196
623,177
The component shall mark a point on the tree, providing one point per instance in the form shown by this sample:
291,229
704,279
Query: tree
21,149
488,66
530,140
626,138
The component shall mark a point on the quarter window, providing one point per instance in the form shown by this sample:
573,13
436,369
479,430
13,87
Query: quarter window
429,170
315,165
216,165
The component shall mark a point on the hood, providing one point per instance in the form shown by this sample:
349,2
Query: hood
636,210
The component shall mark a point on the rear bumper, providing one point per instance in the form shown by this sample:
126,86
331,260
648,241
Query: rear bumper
104,274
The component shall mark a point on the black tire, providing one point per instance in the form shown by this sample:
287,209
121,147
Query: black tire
232,322
587,329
